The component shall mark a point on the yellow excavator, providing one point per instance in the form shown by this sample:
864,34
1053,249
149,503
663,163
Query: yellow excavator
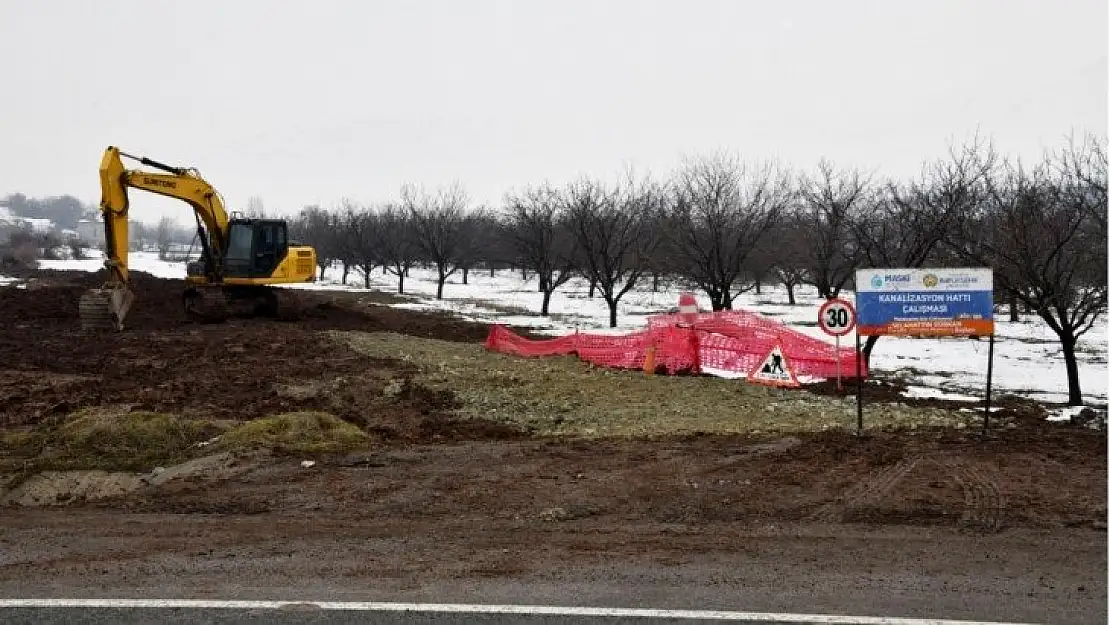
240,257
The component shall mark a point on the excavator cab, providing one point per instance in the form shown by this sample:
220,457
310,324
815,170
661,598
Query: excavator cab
255,248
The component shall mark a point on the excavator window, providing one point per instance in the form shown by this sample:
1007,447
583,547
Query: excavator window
238,244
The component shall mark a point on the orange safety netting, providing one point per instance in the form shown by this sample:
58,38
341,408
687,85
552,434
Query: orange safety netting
734,341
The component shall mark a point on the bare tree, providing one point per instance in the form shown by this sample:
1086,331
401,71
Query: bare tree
721,210
906,224
438,227
360,235
165,236
541,237
830,202
476,230
317,227
611,228
397,245
787,246
255,209
1043,231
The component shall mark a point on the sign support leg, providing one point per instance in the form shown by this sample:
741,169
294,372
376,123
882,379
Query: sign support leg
990,372
859,388
839,386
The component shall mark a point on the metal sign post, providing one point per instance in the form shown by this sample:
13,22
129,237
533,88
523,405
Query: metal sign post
990,371
837,317
859,388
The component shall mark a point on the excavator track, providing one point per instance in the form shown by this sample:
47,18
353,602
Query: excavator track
287,305
206,304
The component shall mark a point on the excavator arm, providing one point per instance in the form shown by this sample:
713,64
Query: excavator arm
177,182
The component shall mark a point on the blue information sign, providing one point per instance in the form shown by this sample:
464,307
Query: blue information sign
925,302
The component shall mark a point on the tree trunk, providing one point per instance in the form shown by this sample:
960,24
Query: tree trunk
322,269
346,270
612,313
524,274
758,288
439,285
466,274
867,347
1015,313
401,281
654,282
366,276
491,272
593,286
385,270
716,301
1075,394
546,303
823,290
790,293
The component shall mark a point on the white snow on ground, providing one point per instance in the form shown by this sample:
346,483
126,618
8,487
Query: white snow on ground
147,262
926,392
1065,414
1028,359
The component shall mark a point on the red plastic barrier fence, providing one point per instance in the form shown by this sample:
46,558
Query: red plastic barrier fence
735,341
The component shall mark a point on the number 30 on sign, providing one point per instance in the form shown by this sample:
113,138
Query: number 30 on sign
837,317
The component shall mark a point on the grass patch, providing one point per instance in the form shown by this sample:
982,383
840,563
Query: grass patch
565,396
111,439
295,433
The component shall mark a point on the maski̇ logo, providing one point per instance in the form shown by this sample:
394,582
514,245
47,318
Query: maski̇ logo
930,280
877,281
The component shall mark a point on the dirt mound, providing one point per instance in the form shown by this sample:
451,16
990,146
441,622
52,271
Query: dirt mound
51,298
52,488
239,370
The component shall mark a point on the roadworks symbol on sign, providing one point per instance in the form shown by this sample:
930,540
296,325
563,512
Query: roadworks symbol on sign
774,370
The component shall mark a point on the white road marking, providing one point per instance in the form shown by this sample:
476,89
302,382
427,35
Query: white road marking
459,608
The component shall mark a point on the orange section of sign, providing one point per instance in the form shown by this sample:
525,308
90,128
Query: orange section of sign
935,327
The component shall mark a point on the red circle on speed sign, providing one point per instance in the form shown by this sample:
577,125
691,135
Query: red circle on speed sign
837,317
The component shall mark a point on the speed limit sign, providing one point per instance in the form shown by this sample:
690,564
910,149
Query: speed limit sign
837,317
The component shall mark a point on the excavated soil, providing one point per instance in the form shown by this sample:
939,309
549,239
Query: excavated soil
239,370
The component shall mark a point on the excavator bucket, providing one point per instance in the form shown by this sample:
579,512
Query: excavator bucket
105,308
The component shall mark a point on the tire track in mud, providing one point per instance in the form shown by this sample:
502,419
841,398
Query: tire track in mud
869,491
984,503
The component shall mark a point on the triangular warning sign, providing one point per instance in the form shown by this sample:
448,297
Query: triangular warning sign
774,370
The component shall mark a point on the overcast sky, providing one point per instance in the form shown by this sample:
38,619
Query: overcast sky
312,101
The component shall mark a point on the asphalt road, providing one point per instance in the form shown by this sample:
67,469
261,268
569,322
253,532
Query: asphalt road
86,613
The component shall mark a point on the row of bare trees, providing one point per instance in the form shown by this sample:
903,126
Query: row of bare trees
725,226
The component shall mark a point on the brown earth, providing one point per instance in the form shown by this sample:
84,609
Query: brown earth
928,526
973,524
240,370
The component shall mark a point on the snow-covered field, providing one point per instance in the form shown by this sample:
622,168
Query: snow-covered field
1028,359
